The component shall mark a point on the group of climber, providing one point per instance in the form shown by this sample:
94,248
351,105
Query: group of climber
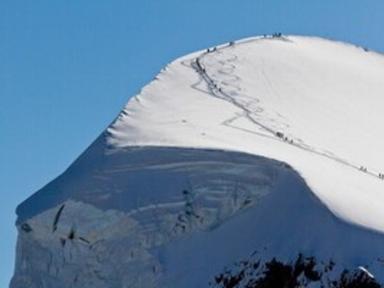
209,50
364,169
232,43
284,138
277,35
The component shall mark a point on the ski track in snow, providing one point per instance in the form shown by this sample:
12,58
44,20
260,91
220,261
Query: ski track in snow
218,91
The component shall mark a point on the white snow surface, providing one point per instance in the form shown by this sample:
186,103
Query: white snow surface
325,95
256,147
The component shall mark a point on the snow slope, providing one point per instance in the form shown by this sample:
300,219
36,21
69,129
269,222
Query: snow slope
269,146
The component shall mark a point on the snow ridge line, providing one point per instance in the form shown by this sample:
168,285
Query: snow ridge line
218,92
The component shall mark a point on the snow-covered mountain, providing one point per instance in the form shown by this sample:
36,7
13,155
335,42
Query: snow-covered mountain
258,162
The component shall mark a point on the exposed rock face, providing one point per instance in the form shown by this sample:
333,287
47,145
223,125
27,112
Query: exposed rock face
236,167
303,272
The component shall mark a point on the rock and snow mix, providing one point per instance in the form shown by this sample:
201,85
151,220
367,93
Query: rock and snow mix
249,164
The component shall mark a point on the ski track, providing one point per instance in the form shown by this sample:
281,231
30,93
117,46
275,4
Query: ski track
219,92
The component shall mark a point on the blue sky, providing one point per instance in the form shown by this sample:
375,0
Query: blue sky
68,67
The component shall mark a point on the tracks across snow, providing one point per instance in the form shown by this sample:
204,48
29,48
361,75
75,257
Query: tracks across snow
220,88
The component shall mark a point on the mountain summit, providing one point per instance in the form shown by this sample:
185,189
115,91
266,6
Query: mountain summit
256,163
